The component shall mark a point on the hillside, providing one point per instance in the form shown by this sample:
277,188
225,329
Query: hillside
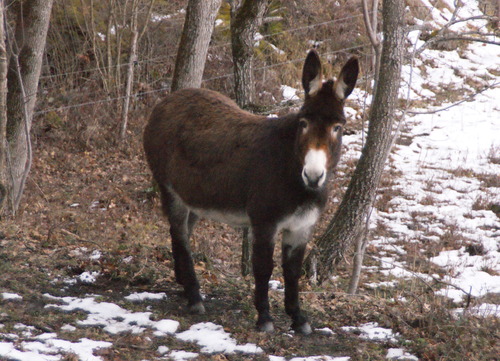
86,267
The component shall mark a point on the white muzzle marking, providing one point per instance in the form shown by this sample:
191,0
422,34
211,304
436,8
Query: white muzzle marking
314,171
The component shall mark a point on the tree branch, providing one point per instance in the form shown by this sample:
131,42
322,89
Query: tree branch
470,97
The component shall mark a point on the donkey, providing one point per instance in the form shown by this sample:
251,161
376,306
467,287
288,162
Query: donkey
212,159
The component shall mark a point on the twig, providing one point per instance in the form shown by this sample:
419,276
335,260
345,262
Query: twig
470,97
79,239
467,38
406,269
437,280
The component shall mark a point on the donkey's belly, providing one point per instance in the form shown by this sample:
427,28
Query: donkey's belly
233,218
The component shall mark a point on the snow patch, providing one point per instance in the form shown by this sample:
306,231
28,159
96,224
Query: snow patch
213,339
8,296
143,296
112,317
371,331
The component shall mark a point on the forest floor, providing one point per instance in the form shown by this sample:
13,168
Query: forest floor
86,269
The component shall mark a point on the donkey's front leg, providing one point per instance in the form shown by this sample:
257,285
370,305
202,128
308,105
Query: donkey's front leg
262,262
293,248
181,225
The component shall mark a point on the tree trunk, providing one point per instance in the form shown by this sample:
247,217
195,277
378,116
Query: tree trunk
246,18
350,220
371,25
245,22
3,108
193,47
25,65
246,252
130,69
132,60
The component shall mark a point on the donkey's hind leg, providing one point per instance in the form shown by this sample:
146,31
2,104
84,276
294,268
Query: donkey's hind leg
181,225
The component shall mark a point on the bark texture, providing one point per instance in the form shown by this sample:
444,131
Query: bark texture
349,222
245,23
195,39
25,65
3,106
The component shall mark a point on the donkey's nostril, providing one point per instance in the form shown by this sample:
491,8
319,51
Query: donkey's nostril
313,180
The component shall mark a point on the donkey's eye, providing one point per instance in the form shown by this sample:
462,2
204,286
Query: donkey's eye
303,124
337,128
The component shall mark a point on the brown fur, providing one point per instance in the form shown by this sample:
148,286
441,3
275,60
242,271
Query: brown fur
209,155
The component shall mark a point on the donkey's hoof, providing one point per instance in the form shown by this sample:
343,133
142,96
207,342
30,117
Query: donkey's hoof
304,329
266,327
197,308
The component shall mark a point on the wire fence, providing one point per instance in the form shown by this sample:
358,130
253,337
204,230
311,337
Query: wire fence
163,89
211,47
104,69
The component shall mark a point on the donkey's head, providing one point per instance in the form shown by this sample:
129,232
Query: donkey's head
321,119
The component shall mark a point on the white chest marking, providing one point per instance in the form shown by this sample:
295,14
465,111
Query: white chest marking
301,220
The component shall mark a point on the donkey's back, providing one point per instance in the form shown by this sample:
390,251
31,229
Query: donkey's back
198,125
212,154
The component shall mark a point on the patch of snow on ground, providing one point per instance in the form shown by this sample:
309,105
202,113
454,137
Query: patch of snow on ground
182,355
289,93
163,350
142,296
276,285
9,296
399,354
483,310
372,331
470,275
68,328
386,284
320,358
112,317
324,331
47,346
88,277
213,339
310,358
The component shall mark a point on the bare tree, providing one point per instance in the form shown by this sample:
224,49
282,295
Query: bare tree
136,35
3,107
349,222
25,65
371,24
245,22
193,47
444,34
246,18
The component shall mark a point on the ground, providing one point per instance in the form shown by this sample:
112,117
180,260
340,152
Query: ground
86,267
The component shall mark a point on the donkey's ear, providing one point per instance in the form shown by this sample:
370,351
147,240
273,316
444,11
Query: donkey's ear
347,79
311,73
